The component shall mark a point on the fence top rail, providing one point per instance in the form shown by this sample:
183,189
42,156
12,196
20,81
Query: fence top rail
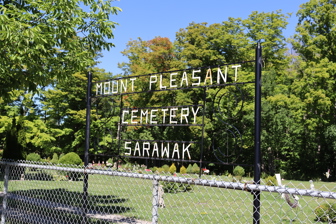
249,187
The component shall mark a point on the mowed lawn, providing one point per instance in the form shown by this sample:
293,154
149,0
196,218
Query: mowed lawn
132,197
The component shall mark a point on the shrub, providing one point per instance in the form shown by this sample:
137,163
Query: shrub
127,166
326,213
165,168
172,187
71,158
38,175
183,170
189,168
153,169
238,171
321,213
54,159
264,175
33,157
159,170
62,154
195,168
109,162
271,181
172,169
332,213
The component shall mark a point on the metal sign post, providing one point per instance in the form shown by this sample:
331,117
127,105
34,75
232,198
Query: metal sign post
87,146
257,125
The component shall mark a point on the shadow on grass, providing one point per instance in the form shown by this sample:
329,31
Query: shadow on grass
64,205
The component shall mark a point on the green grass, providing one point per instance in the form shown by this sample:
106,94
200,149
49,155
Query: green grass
132,197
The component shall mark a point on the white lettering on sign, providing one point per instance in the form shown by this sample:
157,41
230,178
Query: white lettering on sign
168,81
162,150
172,115
115,86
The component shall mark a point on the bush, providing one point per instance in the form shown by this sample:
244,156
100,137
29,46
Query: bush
109,162
54,159
321,213
189,168
195,168
238,171
159,170
264,175
172,169
332,213
33,157
71,158
38,175
183,170
127,166
62,154
271,181
153,169
172,187
165,168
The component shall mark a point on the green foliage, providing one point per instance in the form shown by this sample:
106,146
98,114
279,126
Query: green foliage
326,213
33,157
315,30
271,181
160,170
13,147
332,213
172,169
54,159
165,168
183,170
195,168
238,171
189,169
110,160
64,38
127,166
322,212
71,158
154,169
172,187
298,89
264,175
62,154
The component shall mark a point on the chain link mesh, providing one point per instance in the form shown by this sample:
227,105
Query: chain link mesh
46,193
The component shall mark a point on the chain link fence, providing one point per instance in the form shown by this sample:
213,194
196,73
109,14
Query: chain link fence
46,193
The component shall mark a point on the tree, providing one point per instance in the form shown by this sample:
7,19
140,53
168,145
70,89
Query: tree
42,40
314,85
64,108
234,41
315,37
201,45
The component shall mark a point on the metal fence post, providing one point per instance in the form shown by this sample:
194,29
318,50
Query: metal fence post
155,209
87,147
257,125
5,192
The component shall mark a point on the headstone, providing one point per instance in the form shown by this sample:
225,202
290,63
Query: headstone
161,200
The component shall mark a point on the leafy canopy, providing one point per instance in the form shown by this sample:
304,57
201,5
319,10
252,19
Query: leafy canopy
44,39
